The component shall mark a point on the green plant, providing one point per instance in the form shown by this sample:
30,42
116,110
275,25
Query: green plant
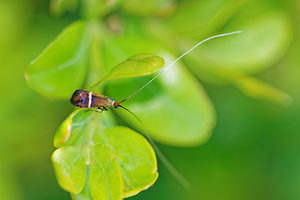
98,159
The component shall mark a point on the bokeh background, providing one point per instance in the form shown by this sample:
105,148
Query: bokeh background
254,152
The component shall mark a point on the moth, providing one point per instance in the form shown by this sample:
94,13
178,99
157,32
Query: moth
87,99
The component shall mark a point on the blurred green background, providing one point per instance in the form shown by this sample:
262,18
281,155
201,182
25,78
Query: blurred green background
252,154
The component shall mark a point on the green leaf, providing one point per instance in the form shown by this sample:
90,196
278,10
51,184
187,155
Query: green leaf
195,19
87,132
258,89
138,65
142,64
174,107
63,133
230,59
77,126
262,43
61,67
250,86
70,168
173,104
105,181
116,49
83,195
135,157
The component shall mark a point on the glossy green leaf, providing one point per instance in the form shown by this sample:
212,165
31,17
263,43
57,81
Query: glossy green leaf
228,59
142,64
250,86
70,168
195,19
263,42
258,89
61,67
135,157
174,107
138,65
87,132
83,195
115,48
77,126
63,133
105,180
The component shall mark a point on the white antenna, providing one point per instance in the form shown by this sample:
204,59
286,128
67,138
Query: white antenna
176,174
171,64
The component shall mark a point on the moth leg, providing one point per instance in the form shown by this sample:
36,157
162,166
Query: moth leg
102,108
87,110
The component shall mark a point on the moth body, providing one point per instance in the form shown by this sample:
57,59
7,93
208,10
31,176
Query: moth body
87,99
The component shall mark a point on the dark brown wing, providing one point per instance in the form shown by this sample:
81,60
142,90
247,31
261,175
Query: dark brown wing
99,100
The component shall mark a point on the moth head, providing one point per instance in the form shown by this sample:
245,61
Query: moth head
80,98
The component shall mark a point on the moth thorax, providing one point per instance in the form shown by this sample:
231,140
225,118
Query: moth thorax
111,102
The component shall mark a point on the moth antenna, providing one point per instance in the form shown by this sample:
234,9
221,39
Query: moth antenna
173,171
175,61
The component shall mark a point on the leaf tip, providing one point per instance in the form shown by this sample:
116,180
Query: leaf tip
64,131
